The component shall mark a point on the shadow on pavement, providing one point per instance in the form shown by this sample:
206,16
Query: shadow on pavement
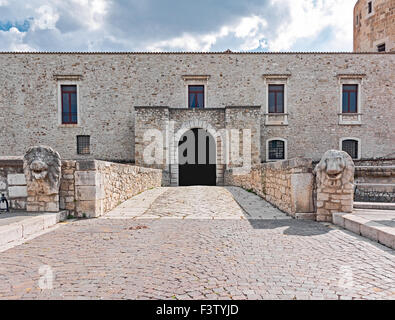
294,227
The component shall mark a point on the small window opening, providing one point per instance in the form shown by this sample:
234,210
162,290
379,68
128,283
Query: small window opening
83,144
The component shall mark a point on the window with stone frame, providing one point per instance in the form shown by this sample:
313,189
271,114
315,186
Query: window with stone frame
351,147
350,98
276,98
276,150
83,144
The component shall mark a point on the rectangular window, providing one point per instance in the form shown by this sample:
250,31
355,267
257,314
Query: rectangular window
83,144
196,96
351,147
381,48
370,7
276,98
350,98
69,104
276,150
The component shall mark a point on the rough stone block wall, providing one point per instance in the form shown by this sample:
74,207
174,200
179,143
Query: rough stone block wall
111,85
67,199
13,182
100,186
120,182
288,184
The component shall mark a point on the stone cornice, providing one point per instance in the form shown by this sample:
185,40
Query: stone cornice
68,77
196,77
351,75
276,76
151,107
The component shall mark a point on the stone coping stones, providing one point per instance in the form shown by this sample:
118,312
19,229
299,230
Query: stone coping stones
377,225
16,227
294,163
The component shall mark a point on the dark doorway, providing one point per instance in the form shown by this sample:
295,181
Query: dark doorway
197,159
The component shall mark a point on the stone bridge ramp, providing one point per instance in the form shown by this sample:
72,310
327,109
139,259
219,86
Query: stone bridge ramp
196,202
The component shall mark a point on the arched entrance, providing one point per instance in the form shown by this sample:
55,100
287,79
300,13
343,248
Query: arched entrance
197,158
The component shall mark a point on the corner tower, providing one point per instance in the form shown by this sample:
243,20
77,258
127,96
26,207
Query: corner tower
374,26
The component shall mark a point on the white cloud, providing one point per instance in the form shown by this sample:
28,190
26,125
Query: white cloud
249,29
13,39
91,13
276,25
46,19
309,17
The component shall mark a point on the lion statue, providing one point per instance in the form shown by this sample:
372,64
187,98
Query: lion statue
42,168
336,169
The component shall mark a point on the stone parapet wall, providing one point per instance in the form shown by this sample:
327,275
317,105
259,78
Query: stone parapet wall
120,182
250,180
288,184
100,186
88,188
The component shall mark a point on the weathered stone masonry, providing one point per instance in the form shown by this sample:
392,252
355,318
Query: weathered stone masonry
173,123
376,27
111,85
88,188
286,184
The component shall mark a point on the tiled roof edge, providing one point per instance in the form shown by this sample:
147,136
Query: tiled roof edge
186,52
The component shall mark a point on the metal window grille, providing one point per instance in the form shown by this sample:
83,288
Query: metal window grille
276,150
351,147
83,144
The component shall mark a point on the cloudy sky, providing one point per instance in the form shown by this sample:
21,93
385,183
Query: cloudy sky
176,25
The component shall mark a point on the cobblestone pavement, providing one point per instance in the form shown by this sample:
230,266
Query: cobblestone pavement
198,202
232,258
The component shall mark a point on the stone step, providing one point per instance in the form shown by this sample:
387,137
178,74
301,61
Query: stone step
377,225
16,228
379,187
374,205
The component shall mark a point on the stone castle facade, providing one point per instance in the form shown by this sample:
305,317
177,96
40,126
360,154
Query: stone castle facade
104,105
119,96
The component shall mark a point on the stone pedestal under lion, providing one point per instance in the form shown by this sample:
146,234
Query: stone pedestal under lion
335,184
42,168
